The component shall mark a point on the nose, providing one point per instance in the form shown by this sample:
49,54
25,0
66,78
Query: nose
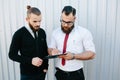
65,24
38,23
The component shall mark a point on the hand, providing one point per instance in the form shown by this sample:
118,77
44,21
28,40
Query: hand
68,56
55,51
37,61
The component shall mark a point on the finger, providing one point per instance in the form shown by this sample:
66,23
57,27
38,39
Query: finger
45,70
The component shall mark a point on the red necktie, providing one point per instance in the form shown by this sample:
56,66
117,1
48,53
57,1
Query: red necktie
64,47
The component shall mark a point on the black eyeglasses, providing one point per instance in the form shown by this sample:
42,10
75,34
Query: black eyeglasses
69,23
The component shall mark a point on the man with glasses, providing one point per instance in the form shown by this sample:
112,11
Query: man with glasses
75,42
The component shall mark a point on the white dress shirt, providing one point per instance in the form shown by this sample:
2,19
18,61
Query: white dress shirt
79,40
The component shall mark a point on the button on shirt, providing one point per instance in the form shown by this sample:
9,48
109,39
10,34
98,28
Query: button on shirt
80,39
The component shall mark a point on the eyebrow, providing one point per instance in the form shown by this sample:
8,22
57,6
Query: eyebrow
67,21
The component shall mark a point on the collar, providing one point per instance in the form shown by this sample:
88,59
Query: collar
28,28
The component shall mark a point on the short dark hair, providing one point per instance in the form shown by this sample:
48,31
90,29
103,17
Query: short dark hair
33,10
68,10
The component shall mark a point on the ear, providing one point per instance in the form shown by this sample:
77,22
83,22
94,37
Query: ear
27,19
74,17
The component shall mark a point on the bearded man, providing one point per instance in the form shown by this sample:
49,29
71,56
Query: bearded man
75,42
29,47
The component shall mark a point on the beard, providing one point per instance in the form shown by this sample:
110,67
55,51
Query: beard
33,29
67,30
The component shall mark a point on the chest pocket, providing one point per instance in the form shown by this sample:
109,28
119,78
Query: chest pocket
75,44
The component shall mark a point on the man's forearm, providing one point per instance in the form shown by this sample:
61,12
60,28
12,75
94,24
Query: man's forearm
85,55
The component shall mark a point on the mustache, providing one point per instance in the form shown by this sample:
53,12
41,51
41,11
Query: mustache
37,26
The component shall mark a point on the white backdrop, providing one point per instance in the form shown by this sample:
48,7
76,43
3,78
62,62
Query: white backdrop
101,17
